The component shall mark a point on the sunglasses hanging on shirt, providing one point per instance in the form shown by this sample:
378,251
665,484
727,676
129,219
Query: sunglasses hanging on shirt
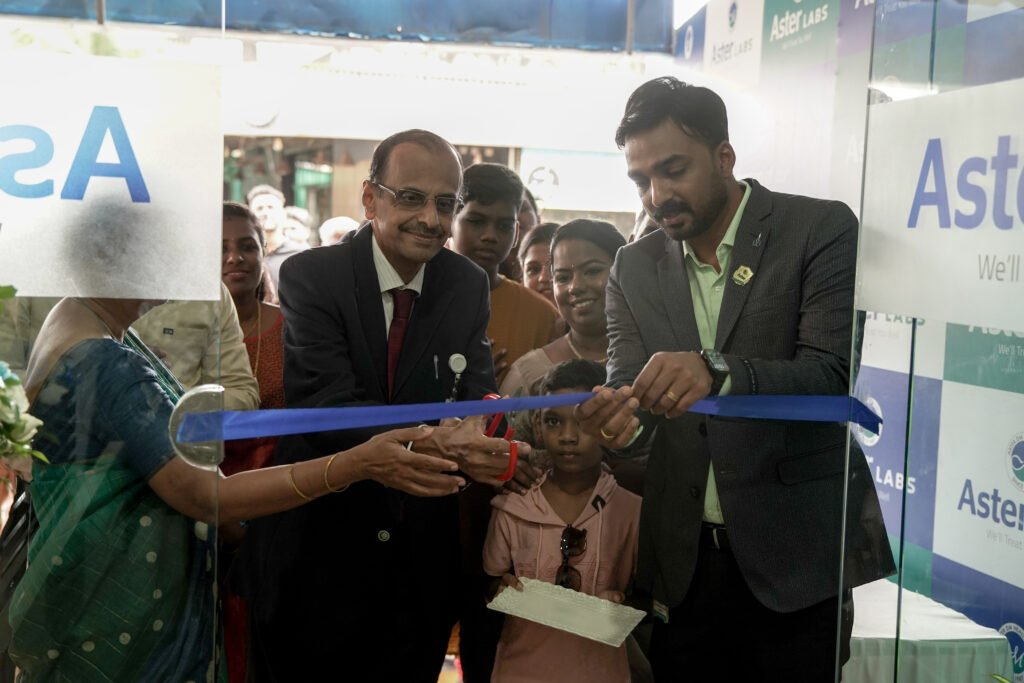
573,544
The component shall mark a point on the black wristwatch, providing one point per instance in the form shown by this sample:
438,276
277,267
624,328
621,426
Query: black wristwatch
718,368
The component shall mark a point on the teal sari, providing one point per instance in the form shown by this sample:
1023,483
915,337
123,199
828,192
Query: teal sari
119,586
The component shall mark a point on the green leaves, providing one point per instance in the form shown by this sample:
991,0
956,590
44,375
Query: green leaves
6,292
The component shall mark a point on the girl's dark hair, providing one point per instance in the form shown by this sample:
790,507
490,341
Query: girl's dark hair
602,234
236,210
540,234
573,374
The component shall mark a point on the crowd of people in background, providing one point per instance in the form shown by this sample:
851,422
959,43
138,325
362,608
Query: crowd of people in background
369,554
543,312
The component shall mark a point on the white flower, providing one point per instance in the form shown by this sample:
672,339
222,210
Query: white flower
24,429
12,401
16,392
8,412
17,427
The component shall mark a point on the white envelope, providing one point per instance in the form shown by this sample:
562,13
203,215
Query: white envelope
569,610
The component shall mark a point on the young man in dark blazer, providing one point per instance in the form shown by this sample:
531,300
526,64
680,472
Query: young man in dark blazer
364,584
741,291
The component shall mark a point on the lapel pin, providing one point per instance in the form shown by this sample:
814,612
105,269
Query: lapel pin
742,275
757,240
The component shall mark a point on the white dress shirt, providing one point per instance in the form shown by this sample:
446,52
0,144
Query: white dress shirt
389,279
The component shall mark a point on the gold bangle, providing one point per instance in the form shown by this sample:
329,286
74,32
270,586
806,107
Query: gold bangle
327,468
291,478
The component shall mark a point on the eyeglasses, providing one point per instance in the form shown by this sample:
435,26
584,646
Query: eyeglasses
573,543
447,204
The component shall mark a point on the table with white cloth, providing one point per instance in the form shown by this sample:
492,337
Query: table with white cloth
936,643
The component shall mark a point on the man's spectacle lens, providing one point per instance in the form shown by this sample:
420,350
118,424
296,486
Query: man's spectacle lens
447,204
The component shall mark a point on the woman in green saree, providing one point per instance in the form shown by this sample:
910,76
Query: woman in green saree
120,584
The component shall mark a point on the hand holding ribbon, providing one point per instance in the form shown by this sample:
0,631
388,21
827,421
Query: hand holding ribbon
484,459
610,416
386,460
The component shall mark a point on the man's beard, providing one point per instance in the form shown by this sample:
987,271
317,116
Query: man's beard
703,220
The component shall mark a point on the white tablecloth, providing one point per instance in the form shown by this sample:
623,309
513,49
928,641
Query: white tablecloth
936,643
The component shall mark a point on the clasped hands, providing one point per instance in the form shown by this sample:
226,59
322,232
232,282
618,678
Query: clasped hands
669,385
428,461
482,458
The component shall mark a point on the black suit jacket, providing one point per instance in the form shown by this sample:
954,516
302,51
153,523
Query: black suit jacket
361,550
787,331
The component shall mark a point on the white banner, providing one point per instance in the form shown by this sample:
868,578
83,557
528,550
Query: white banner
732,40
584,181
110,178
979,501
887,345
943,224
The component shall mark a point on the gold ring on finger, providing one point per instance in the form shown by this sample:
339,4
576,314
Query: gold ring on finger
671,395
607,436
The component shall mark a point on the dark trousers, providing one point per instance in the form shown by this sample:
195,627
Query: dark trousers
479,627
479,632
722,632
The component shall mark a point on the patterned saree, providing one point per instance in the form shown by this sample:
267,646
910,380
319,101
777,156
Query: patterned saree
119,586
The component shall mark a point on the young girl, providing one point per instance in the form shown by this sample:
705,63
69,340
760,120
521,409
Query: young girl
578,529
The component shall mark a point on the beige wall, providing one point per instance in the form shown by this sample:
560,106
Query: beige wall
346,189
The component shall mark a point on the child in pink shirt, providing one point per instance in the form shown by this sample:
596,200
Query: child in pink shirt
581,503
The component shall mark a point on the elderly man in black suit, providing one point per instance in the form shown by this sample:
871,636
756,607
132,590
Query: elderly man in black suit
365,584
741,291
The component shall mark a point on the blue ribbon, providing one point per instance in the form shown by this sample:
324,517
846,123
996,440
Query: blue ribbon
233,424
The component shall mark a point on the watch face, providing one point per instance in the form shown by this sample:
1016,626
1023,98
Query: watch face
715,361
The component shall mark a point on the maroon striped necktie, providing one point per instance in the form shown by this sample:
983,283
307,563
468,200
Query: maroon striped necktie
403,299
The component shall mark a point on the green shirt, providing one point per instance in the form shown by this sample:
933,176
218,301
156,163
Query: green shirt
707,286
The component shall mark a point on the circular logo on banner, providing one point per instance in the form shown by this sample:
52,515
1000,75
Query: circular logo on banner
866,438
1015,461
542,175
688,42
733,9
1015,636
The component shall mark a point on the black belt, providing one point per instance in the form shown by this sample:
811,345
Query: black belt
714,536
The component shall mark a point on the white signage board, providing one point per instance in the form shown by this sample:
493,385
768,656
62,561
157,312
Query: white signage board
584,181
111,178
887,344
732,42
943,223
979,499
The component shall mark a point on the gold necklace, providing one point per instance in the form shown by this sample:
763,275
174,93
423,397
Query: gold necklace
572,347
255,328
